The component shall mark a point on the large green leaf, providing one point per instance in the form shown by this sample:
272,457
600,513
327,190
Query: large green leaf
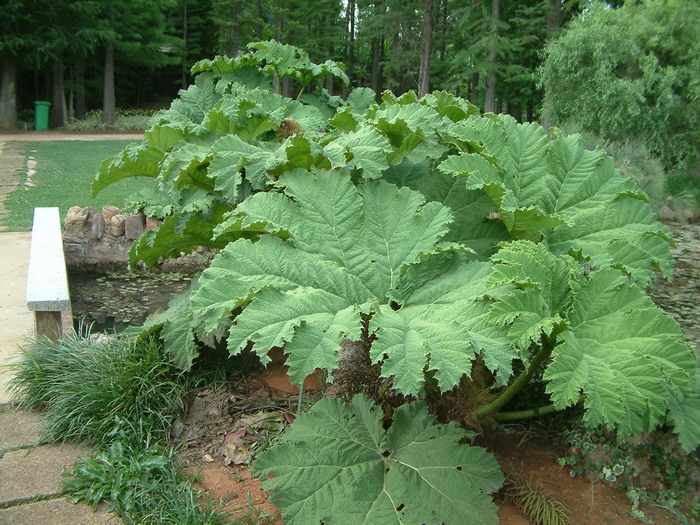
572,199
337,465
136,160
179,235
684,412
474,222
544,286
349,255
189,112
622,353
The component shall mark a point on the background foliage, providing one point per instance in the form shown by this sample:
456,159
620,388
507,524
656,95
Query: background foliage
630,73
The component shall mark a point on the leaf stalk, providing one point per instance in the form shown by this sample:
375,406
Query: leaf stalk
523,379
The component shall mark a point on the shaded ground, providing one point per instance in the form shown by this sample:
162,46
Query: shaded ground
225,427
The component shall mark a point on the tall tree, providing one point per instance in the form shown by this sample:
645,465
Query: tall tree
426,49
635,71
109,105
16,38
490,104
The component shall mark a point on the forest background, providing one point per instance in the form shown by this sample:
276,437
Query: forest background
627,72
88,54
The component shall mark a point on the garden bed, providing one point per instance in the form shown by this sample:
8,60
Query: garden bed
226,425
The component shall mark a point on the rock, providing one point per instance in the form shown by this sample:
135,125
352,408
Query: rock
109,211
73,251
73,216
134,226
117,225
152,223
665,213
83,223
691,215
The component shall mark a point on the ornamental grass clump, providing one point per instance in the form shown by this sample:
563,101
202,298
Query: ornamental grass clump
85,385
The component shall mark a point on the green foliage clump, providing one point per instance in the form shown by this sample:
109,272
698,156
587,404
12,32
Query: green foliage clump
84,386
141,485
630,73
127,119
120,396
464,253
652,468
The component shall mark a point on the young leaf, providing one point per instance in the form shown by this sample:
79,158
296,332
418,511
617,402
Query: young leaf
337,465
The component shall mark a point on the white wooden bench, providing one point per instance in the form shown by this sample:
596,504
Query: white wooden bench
47,281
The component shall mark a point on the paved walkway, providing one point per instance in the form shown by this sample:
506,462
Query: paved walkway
30,472
42,136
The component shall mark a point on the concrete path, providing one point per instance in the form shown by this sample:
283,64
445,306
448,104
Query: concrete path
30,476
16,321
30,472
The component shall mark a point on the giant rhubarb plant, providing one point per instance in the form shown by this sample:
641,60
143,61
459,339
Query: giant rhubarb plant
438,238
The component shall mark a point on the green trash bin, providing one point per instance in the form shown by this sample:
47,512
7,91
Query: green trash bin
41,115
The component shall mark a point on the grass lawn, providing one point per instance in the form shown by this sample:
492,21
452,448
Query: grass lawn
64,172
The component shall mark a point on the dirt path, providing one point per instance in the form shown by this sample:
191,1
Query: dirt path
11,167
44,136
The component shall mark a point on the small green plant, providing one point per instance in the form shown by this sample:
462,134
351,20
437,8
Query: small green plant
141,484
652,468
251,514
84,383
539,506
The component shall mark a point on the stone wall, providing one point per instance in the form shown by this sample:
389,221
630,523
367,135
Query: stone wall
94,241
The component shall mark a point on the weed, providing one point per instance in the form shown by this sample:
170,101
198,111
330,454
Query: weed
250,514
540,507
650,467
141,484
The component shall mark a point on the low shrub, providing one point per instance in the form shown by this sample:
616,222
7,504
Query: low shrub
122,396
141,485
126,119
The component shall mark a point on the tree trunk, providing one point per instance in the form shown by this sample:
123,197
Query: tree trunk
109,105
184,81
259,27
80,107
490,104
351,35
58,113
234,44
8,91
553,18
377,52
474,89
424,72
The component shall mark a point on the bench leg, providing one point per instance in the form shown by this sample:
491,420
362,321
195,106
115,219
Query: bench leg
48,324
